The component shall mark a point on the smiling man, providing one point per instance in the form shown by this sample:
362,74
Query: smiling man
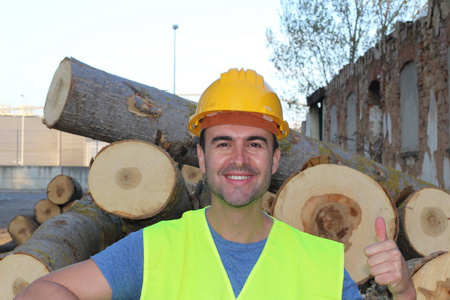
231,249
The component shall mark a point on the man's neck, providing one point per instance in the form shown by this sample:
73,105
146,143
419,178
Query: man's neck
247,224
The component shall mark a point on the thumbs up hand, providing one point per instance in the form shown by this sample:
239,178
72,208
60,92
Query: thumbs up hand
387,264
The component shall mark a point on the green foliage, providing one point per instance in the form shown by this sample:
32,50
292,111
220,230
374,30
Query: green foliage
318,37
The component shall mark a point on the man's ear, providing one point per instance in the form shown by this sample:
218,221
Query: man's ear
201,158
276,160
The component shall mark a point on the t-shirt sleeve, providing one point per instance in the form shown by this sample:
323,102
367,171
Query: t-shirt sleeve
350,289
122,265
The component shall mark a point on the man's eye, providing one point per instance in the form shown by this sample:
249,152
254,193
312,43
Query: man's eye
256,145
222,145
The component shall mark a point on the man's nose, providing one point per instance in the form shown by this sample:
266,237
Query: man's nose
239,156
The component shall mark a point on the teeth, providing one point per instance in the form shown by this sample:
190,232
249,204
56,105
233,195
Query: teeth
238,177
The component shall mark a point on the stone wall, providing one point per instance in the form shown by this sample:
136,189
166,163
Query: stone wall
411,62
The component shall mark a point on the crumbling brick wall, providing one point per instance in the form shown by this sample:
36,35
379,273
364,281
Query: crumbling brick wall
375,80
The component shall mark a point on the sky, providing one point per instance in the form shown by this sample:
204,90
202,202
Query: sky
133,39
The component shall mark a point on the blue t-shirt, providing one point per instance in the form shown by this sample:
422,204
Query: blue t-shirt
122,265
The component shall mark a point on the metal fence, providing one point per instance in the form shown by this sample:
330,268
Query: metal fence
25,141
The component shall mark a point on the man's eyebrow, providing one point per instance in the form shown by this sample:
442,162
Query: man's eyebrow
221,138
257,137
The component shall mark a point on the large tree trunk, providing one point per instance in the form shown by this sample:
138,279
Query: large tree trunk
137,180
92,103
424,226
89,102
341,204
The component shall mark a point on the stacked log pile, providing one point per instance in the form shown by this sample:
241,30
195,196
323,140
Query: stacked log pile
61,193
319,188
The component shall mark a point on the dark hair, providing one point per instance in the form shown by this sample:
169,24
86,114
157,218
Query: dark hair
201,141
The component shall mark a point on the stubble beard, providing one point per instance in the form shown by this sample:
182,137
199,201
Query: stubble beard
237,198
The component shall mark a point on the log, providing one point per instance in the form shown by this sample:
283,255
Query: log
137,180
45,209
432,277
63,189
21,228
61,241
424,226
338,203
89,102
6,247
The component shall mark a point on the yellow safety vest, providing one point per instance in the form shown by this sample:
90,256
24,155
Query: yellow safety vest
181,262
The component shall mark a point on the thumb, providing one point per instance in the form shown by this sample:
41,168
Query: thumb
380,229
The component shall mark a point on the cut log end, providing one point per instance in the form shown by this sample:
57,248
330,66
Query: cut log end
432,280
21,228
63,189
17,271
45,209
57,94
424,219
138,187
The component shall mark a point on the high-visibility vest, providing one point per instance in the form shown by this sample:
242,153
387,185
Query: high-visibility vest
181,262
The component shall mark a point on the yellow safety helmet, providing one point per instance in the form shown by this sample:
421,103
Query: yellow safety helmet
240,91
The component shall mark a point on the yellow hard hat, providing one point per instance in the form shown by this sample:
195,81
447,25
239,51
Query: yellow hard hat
240,91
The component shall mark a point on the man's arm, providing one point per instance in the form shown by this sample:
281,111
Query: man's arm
388,266
79,281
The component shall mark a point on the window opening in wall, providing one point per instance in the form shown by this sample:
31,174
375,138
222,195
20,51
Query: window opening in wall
409,112
374,93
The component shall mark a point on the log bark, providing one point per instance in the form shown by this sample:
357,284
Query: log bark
432,277
89,102
137,180
63,189
45,209
6,247
338,203
21,228
424,226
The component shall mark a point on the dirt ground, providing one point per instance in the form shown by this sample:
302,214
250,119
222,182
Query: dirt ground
13,203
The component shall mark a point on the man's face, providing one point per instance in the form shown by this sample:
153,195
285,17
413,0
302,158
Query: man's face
238,162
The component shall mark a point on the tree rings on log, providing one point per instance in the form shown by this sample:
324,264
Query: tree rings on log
17,272
57,93
432,279
338,203
21,228
424,223
63,189
135,180
45,209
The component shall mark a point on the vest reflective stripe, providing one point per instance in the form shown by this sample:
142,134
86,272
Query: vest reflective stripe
181,262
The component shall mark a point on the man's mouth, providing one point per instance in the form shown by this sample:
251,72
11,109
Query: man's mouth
236,177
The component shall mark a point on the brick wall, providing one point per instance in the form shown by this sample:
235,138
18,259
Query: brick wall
425,43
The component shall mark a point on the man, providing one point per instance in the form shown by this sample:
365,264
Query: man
230,250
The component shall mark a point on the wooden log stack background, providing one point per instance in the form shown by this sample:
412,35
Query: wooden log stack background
148,173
